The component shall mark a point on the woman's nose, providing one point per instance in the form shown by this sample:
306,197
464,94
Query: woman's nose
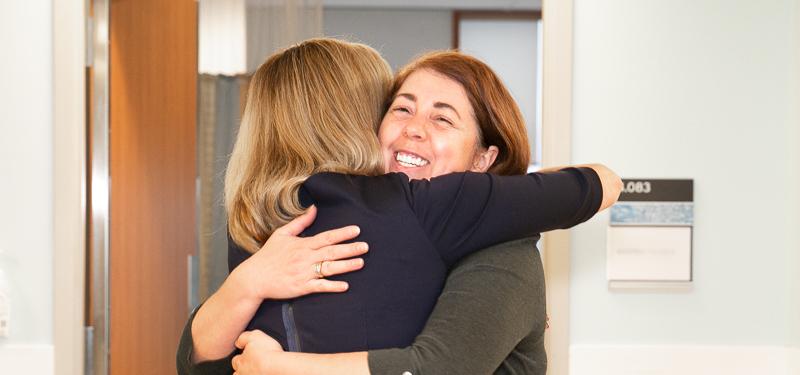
415,130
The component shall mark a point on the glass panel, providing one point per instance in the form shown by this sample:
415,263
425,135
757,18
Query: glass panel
511,48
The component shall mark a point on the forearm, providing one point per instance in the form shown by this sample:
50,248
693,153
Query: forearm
323,364
612,184
184,361
220,320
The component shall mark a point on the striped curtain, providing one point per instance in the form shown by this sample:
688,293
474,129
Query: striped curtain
218,121
270,26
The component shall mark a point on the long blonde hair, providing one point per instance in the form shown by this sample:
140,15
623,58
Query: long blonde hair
314,107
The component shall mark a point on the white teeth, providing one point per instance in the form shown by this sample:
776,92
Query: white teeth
408,160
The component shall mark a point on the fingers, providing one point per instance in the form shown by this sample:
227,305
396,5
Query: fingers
327,286
333,236
272,344
235,362
248,336
343,251
299,224
336,267
243,339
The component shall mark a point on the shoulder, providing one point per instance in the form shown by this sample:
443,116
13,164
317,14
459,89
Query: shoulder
330,187
449,185
513,268
334,180
452,179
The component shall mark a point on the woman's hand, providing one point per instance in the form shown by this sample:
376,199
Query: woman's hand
262,355
257,347
612,185
286,266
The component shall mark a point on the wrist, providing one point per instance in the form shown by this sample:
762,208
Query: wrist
277,363
238,289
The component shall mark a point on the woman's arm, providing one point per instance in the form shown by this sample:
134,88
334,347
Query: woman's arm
283,268
184,362
261,355
492,300
465,212
612,184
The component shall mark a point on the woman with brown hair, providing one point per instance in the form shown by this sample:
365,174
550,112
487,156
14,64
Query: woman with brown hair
416,229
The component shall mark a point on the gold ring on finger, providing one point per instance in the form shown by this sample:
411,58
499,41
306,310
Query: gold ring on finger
318,269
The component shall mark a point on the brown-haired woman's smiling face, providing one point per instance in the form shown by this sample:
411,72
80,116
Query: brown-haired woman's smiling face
429,128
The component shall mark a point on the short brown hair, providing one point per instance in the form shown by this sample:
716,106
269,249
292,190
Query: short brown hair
497,114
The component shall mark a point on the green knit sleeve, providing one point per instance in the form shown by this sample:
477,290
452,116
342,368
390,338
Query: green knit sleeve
490,317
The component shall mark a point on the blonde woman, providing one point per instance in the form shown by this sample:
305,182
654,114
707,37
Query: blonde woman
305,140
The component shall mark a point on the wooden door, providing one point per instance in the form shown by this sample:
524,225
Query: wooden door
153,70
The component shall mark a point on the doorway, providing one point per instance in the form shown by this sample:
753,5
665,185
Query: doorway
142,106
153,206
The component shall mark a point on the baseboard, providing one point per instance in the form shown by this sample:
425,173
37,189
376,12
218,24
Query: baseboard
26,359
794,360
683,360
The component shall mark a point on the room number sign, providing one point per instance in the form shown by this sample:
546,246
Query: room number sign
650,232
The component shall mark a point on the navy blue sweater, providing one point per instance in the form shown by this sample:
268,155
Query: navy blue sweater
416,230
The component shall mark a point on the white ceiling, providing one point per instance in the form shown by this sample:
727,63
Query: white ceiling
438,4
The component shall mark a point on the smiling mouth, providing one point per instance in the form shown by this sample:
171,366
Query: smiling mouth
409,160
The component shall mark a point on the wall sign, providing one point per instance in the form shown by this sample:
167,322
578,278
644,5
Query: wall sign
650,232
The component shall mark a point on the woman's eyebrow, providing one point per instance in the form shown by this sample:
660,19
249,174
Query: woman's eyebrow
408,96
440,105
446,106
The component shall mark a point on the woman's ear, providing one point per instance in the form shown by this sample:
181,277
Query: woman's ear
484,159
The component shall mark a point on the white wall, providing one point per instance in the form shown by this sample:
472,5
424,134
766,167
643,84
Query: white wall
793,264
26,190
398,34
702,89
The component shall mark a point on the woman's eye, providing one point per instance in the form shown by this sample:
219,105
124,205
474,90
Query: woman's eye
401,109
444,120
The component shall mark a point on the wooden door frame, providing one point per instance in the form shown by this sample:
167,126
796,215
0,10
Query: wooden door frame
152,158
69,188
557,26
76,45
